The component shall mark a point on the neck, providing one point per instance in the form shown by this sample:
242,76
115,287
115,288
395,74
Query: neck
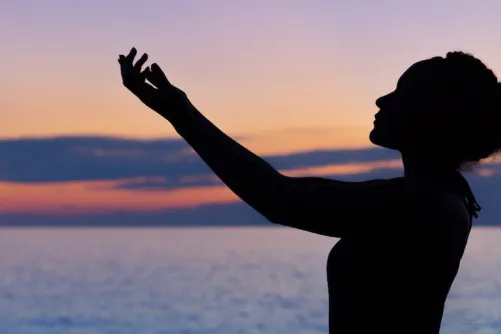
425,171
418,168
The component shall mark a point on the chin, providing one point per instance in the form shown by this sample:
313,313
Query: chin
380,138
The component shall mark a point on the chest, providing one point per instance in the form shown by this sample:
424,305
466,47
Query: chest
376,259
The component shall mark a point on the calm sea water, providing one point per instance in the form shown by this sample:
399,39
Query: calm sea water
211,280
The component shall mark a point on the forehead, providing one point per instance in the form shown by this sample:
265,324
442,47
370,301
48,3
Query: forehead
423,72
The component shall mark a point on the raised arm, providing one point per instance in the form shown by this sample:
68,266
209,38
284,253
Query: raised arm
317,205
322,206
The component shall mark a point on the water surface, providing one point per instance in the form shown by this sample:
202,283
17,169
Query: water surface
206,280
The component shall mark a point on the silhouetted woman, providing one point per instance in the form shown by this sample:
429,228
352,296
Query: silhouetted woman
401,239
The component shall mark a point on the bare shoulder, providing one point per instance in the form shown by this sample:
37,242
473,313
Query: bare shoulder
443,210
443,203
452,212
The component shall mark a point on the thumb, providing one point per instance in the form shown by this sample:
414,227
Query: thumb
157,77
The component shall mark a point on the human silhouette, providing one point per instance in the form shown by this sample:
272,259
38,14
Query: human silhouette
401,239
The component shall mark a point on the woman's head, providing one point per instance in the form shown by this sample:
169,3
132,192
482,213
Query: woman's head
445,109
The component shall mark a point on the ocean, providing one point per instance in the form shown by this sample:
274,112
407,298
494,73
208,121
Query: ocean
201,280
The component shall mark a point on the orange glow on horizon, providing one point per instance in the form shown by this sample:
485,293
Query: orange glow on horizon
100,196
85,197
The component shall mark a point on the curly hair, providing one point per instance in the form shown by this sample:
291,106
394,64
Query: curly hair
473,109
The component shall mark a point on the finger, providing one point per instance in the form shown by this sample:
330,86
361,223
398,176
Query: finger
152,79
123,71
158,77
144,74
130,57
121,59
158,71
139,64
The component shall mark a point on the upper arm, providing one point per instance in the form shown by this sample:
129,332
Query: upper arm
333,208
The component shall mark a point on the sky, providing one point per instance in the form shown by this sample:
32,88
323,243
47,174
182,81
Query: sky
283,77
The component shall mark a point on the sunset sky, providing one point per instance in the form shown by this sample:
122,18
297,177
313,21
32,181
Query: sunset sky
281,76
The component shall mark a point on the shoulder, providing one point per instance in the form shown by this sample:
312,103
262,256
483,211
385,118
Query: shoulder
412,209
437,209
441,201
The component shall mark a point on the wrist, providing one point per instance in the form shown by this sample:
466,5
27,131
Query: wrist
184,120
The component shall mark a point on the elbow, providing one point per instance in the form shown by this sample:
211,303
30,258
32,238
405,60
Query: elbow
270,200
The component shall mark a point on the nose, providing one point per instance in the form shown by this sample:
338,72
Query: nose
379,102
382,100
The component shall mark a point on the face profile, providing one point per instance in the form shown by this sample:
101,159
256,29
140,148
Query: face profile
401,111
444,109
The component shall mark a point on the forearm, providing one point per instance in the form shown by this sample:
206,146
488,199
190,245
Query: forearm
246,174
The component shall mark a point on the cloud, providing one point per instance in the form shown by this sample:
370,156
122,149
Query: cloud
148,164
94,158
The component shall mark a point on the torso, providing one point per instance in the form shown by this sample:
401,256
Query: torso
395,283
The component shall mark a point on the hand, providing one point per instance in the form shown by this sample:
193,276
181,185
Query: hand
161,96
